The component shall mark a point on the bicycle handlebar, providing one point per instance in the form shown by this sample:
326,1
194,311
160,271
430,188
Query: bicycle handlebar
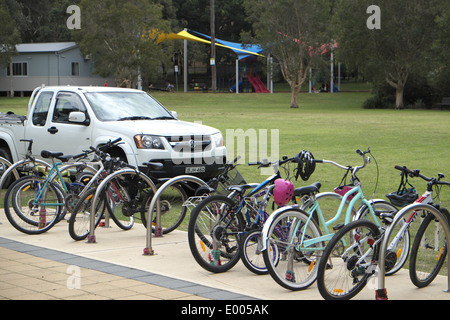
416,173
355,169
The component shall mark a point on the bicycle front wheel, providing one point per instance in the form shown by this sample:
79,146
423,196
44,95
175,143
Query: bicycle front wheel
429,251
213,233
347,261
32,206
251,253
80,219
295,268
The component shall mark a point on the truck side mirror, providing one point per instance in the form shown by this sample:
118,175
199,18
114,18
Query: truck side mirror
174,114
78,117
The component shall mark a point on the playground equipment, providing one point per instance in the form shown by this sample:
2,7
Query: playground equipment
257,83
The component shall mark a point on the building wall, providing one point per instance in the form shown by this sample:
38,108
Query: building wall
51,69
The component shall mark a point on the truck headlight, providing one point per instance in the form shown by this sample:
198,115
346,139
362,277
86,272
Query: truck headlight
144,141
217,139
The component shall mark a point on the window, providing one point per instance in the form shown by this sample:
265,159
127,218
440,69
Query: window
65,104
41,110
18,69
75,69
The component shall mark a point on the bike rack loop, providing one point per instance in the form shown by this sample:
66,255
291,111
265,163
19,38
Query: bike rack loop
381,292
13,167
148,248
91,236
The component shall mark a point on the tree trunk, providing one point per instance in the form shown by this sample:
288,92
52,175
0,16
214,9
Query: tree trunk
295,91
399,96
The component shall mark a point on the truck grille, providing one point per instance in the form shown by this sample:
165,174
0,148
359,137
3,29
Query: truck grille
190,143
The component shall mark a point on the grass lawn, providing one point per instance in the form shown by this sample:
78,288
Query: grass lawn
331,126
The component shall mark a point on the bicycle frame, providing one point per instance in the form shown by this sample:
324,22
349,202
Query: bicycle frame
309,244
354,194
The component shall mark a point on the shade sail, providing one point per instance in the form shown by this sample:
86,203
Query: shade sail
241,50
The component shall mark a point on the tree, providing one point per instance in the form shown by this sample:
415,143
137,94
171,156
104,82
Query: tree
292,31
120,37
9,35
401,45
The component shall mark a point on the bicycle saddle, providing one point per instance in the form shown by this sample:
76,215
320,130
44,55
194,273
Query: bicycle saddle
314,188
58,155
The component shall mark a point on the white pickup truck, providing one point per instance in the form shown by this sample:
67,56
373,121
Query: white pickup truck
71,119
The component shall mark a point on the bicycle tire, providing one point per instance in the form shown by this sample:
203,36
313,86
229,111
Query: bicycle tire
294,269
173,211
422,269
27,216
213,235
251,253
339,276
80,219
118,205
402,242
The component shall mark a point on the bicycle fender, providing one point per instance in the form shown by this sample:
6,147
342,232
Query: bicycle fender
269,221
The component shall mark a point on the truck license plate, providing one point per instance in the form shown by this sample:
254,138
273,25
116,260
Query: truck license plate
195,169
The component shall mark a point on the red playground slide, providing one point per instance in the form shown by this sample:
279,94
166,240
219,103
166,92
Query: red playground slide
256,83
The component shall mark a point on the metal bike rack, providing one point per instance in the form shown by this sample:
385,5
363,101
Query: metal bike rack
13,167
381,293
91,236
148,249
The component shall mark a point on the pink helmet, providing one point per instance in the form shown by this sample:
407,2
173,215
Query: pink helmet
283,192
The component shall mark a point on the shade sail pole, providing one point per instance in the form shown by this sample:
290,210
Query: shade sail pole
186,70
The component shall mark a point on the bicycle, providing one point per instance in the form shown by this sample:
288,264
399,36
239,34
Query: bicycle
298,236
351,258
353,254
37,202
429,248
225,228
26,165
38,209
218,221
125,195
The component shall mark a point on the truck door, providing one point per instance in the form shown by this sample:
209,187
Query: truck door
58,134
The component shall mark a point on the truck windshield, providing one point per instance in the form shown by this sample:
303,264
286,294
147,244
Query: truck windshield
121,106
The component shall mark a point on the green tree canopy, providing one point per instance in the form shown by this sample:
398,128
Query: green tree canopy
294,32
9,35
401,45
120,37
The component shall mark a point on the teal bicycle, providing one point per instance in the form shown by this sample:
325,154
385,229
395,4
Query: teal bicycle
298,237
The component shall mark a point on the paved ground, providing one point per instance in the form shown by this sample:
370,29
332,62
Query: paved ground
53,266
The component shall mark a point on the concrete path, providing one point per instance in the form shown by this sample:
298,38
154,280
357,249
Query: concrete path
53,266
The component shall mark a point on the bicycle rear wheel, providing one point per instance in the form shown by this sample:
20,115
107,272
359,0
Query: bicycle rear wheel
428,251
29,214
80,219
213,233
400,243
173,211
347,261
295,268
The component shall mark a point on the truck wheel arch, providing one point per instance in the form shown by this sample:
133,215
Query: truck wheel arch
117,152
4,151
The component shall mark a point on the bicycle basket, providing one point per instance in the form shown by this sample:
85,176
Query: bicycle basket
233,178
